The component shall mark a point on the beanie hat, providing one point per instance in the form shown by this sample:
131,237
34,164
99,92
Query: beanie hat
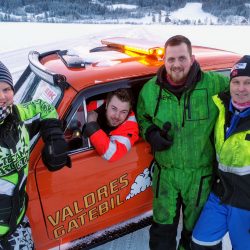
5,75
241,68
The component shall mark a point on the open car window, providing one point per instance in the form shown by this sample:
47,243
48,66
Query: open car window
77,116
73,131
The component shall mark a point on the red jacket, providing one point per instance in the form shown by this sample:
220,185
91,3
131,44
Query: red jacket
119,141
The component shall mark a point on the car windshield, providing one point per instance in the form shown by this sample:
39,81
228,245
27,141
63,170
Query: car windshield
33,87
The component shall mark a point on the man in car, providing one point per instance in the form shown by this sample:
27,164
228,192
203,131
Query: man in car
18,124
176,115
112,126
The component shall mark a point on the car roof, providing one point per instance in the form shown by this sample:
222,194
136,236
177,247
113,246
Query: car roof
124,62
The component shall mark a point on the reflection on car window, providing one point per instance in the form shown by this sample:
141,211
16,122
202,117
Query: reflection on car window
225,72
47,92
73,132
22,93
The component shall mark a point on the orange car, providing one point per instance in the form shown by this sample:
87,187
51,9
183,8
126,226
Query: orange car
94,201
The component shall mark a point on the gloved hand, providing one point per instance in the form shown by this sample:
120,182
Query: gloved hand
164,132
159,139
55,151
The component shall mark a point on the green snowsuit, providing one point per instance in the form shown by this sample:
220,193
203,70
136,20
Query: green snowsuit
16,132
182,173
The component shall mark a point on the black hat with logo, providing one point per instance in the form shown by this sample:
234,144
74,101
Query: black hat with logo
241,68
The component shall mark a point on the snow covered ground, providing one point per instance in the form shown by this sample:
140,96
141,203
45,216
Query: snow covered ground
122,6
17,39
30,36
193,12
22,35
139,241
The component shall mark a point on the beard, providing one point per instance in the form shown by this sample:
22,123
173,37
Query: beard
177,76
113,123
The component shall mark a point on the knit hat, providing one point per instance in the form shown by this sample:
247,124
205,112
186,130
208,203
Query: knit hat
241,68
5,75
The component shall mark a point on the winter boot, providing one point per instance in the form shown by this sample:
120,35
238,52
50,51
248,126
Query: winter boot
185,241
162,236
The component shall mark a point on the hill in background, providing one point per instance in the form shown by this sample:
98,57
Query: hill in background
127,11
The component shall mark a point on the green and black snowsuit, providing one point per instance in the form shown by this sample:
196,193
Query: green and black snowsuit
15,133
182,174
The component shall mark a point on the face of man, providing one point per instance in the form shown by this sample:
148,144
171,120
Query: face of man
240,89
6,94
178,62
117,111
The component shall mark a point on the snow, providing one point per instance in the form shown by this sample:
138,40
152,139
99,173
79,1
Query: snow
90,238
32,35
122,6
16,36
23,35
193,12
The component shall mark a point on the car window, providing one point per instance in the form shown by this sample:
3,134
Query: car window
33,87
73,131
225,72
77,115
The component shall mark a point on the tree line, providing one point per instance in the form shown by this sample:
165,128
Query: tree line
73,10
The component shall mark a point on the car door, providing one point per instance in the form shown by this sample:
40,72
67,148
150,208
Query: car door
94,194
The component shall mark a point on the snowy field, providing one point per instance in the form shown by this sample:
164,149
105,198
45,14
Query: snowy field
31,35
17,39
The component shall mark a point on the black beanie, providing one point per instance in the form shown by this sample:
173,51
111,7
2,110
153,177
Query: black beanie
5,75
241,68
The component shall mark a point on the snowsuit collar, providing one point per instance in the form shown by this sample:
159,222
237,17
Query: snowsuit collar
243,124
